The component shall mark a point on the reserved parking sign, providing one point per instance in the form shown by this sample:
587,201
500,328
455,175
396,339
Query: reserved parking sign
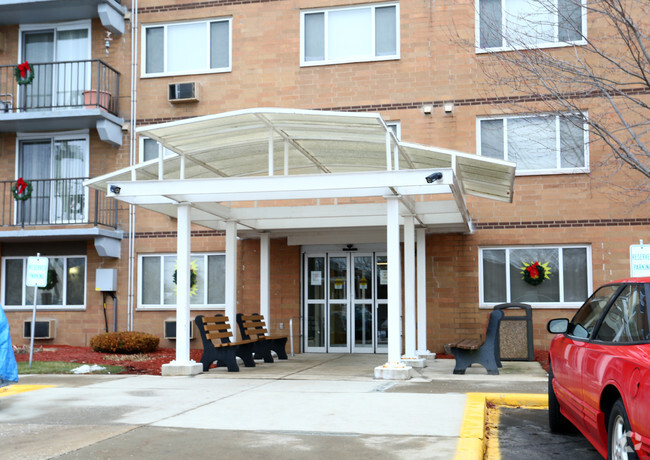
639,260
37,271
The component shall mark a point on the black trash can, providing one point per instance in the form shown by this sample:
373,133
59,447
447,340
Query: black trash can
516,333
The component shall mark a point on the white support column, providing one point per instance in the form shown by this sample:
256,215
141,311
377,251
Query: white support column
420,239
183,365
231,276
410,356
394,369
265,292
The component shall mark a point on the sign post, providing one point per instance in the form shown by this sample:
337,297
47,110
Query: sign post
639,259
37,277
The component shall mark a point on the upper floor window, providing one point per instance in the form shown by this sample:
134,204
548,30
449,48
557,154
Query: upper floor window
350,34
151,149
548,144
516,24
563,280
187,48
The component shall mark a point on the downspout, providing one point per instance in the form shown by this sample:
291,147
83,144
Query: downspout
132,160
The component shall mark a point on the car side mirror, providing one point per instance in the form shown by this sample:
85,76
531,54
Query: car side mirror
558,326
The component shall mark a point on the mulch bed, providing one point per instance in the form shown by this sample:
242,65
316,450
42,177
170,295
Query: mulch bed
149,363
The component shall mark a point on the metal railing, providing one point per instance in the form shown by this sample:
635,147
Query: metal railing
61,85
57,202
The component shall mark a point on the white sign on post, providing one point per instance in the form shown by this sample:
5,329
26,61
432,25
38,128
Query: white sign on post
37,271
639,260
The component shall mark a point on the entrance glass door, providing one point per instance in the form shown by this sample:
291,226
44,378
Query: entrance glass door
345,303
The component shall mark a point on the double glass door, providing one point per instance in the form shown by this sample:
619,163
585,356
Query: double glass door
346,302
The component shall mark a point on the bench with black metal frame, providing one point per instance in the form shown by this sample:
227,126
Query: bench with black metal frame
215,334
486,353
254,327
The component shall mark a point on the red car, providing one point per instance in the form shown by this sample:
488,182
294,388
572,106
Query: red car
599,379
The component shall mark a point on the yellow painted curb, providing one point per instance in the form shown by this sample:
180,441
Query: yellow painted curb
472,441
15,389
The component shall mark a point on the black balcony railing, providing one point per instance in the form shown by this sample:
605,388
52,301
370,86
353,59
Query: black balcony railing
61,85
57,202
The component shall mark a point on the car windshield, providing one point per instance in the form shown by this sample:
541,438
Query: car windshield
584,322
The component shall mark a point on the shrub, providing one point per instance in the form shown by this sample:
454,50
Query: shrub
127,342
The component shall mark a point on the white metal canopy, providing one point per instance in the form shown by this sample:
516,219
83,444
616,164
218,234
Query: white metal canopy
338,164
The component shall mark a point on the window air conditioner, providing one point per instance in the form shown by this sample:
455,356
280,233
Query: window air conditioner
170,329
45,329
183,92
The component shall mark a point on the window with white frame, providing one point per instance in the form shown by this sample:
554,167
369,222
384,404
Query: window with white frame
559,276
538,144
157,280
151,149
349,34
396,128
515,24
187,47
65,289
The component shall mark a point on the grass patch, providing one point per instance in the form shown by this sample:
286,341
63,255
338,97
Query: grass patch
58,367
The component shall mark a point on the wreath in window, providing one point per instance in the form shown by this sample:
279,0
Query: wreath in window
193,278
22,190
52,279
535,273
24,73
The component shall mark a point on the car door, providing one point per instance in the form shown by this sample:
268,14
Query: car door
612,356
569,352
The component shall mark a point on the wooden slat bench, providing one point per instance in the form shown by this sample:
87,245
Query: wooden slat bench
215,333
470,351
254,327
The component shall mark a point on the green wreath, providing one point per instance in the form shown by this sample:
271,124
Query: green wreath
535,273
22,190
24,73
52,279
192,277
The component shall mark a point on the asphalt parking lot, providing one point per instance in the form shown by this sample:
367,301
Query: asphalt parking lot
524,433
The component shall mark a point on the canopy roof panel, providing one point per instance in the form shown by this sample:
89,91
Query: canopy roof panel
287,142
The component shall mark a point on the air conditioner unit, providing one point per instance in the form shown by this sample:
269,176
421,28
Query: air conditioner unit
184,92
45,329
170,329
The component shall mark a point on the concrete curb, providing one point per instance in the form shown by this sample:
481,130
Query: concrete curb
15,389
473,441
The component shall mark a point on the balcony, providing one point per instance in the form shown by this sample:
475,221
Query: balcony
63,96
60,210
110,12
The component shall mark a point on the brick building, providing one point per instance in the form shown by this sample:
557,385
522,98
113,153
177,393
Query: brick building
98,62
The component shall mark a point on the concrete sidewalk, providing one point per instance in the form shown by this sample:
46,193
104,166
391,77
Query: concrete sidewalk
312,405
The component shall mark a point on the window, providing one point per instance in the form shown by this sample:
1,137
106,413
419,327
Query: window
584,322
626,320
151,149
56,166
66,287
547,144
509,24
568,270
187,48
396,128
352,34
158,290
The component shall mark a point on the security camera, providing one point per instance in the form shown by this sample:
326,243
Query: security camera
115,189
434,177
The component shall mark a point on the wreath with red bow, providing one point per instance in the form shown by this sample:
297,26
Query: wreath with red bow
22,190
24,73
535,273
